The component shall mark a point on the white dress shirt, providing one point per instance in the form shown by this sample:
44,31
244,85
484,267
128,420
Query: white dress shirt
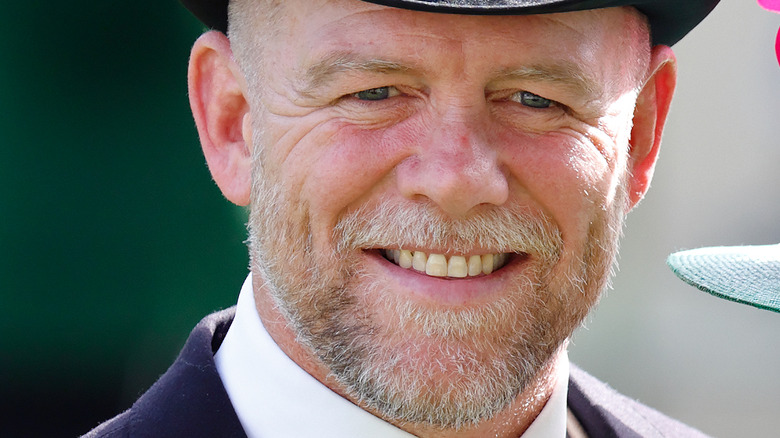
275,398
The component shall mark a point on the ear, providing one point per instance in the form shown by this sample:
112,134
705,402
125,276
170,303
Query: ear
652,108
217,92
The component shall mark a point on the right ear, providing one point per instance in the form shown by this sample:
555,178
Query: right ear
217,91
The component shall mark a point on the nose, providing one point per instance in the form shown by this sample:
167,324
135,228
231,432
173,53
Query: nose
455,166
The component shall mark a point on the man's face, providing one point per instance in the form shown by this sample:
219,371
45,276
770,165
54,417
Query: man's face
489,153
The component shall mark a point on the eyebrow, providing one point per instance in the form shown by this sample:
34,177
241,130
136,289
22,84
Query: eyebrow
566,74
335,63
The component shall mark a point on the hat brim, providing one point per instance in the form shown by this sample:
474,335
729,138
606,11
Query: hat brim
670,20
744,274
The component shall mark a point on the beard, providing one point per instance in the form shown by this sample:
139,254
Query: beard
446,368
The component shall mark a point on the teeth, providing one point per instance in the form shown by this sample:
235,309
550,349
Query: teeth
487,263
404,258
437,265
475,265
419,261
457,267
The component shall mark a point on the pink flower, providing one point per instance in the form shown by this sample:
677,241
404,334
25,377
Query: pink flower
770,5
774,6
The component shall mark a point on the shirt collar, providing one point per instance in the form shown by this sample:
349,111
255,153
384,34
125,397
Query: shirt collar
273,397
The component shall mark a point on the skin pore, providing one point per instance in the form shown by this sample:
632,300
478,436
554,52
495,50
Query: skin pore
366,130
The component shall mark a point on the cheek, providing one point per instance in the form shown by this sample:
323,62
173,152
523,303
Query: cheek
568,174
340,166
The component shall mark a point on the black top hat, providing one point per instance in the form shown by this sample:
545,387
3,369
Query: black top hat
669,20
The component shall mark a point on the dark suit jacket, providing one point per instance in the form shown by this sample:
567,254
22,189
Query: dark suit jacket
190,401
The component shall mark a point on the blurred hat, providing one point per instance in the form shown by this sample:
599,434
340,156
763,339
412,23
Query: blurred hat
670,20
745,274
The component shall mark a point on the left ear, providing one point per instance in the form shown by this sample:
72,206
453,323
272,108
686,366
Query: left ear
652,108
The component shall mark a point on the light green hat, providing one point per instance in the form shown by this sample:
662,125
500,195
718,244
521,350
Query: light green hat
745,274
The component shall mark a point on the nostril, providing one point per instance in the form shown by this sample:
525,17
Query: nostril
455,182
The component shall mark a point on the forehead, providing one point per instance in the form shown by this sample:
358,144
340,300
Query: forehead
309,31
334,18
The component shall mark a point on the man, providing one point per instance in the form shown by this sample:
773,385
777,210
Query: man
436,192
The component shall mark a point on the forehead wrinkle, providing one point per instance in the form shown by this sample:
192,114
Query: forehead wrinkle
341,62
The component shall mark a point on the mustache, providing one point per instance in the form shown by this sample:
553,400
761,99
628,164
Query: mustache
412,225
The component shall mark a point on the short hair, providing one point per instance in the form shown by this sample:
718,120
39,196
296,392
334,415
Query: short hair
250,23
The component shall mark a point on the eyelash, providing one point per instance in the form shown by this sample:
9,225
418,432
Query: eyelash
389,91
527,95
364,97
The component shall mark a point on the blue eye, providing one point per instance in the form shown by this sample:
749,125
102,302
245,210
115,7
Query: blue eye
534,101
373,94
380,93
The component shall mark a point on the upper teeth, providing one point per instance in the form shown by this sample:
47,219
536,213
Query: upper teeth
437,265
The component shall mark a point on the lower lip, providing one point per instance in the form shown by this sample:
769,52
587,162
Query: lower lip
445,291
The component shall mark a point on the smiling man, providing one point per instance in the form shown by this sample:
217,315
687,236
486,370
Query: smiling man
436,191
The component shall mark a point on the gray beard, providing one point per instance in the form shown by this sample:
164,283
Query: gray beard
495,351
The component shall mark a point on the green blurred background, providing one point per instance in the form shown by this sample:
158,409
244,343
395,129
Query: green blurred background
114,241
